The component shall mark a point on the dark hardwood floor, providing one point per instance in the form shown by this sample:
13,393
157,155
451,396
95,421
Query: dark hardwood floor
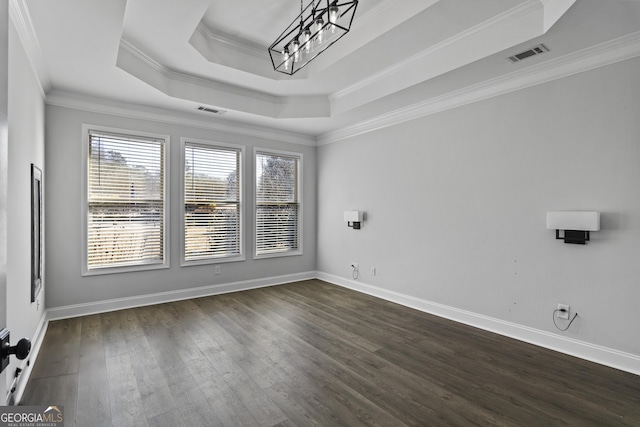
311,353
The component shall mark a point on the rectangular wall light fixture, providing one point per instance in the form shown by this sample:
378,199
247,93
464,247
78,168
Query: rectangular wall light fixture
353,219
576,225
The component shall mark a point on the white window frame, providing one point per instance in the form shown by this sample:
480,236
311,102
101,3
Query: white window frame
299,156
86,129
211,144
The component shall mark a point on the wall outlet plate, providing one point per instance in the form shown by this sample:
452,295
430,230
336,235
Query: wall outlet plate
563,311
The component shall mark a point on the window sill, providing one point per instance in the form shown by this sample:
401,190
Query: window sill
126,269
277,255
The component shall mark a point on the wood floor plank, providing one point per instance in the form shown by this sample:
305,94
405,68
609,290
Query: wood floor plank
244,387
297,413
63,340
151,384
193,405
168,419
205,360
93,396
313,354
59,391
114,340
127,408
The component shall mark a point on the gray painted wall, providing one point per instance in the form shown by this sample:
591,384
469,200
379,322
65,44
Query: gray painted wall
455,206
66,286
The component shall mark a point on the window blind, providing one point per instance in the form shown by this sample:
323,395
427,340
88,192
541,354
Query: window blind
126,191
211,202
277,203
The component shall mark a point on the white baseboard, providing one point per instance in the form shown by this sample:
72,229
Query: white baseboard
584,350
77,310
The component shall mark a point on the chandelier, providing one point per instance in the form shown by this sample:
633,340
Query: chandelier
319,25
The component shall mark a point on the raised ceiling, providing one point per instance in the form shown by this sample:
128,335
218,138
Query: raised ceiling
402,57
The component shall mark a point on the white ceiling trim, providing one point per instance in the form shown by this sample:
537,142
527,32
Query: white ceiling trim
188,78
120,109
219,95
230,52
21,18
590,58
233,43
260,52
391,72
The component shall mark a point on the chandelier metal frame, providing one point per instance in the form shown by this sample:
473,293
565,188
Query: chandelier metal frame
318,27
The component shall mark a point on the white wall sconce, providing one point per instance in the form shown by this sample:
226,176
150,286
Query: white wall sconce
353,219
576,225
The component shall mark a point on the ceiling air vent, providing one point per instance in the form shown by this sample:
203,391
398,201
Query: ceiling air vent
210,110
536,50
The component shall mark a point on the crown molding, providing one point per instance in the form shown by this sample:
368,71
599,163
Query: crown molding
590,58
119,109
170,74
21,18
227,96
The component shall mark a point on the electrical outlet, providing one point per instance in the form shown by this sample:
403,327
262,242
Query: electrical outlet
373,271
216,270
563,311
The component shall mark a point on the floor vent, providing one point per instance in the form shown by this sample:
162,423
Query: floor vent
210,110
536,50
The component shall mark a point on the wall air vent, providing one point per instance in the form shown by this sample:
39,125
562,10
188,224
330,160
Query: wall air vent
210,110
536,50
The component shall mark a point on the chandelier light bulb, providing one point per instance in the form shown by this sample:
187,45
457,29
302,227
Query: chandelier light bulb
296,51
306,36
333,17
285,58
319,25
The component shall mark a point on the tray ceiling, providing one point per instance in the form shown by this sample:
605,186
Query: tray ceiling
178,56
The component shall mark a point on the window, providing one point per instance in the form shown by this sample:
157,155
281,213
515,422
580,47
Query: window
126,210
212,203
278,208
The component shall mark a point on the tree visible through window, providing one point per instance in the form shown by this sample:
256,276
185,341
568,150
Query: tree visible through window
277,203
126,192
212,195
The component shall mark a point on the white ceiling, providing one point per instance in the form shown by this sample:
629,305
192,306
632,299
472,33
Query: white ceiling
401,57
